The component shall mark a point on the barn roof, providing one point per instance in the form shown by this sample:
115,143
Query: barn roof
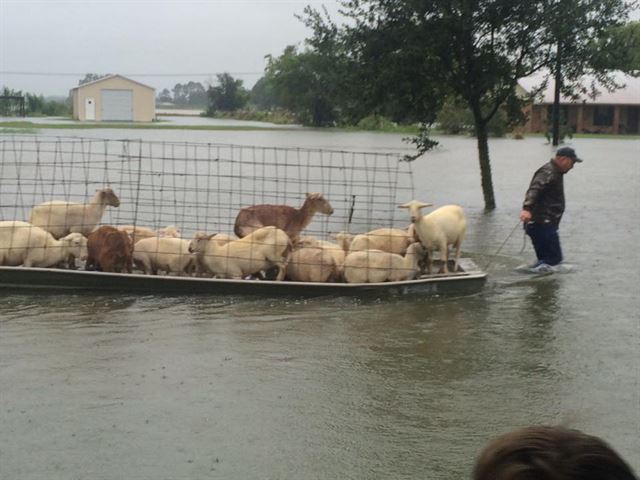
109,77
628,95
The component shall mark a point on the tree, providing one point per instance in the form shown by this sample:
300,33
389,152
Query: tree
262,95
179,94
165,96
592,22
227,96
619,49
417,53
300,83
92,77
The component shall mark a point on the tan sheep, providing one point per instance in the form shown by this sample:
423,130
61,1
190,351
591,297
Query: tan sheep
24,244
264,248
375,266
163,253
137,233
392,240
312,264
437,230
61,218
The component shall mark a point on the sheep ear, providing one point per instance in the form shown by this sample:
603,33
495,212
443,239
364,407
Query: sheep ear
405,205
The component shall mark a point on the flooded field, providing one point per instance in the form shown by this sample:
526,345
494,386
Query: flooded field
154,387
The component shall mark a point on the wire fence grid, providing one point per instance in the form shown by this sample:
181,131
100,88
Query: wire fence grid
200,187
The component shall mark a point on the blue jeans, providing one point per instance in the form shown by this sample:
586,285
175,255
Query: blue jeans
546,242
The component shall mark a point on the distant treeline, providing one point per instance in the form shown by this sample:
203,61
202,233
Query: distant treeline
34,105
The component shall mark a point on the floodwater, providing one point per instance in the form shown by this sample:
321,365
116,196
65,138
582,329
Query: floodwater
171,387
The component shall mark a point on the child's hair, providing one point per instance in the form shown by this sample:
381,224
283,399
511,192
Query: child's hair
550,453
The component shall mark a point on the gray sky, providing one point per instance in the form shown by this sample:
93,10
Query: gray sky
184,38
157,42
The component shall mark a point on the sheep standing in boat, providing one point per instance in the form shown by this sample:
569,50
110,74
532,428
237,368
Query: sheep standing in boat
437,230
289,219
62,218
109,250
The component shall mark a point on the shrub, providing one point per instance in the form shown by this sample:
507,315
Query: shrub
376,122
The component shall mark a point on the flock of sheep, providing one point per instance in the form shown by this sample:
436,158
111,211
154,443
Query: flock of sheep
266,237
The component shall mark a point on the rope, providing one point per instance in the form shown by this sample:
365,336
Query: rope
504,243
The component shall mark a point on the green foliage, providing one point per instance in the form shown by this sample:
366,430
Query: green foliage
191,94
262,95
276,115
565,130
228,95
454,118
35,105
303,83
403,59
376,122
165,96
619,49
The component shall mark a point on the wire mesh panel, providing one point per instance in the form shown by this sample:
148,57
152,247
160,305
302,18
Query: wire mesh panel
202,186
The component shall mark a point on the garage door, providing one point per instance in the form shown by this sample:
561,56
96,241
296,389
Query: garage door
117,105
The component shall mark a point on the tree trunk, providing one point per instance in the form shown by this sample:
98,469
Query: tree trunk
556,98
483,154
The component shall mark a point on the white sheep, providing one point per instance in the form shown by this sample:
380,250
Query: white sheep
344,240
137,233
163,253
61,218
223,238
260,250
437,230
24,244
312,264
335,250
392,240
374,266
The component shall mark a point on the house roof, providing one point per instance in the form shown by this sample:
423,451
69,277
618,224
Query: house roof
109,77
628,95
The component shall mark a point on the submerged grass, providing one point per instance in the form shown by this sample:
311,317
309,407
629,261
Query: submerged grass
29,127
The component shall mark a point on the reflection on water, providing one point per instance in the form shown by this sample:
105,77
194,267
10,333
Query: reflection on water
191,386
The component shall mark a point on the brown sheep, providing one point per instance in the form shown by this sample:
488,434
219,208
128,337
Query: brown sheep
109,250
291,220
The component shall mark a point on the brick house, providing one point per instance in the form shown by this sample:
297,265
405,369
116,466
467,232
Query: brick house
615,112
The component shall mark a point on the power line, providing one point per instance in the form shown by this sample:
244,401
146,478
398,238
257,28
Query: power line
72,74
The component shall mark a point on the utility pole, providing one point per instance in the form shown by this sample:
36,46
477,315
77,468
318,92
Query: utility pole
556,97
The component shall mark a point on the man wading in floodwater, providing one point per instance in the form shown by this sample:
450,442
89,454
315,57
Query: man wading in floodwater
543,208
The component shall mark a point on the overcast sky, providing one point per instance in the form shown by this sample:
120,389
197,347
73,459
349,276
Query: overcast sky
64,39
46,46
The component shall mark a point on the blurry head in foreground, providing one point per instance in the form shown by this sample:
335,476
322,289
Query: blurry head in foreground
550,453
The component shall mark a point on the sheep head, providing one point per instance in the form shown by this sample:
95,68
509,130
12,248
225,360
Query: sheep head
414,207
76,244
170,231
108,197
344,239
318,203
199,242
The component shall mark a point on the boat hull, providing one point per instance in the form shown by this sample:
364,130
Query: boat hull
470,280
